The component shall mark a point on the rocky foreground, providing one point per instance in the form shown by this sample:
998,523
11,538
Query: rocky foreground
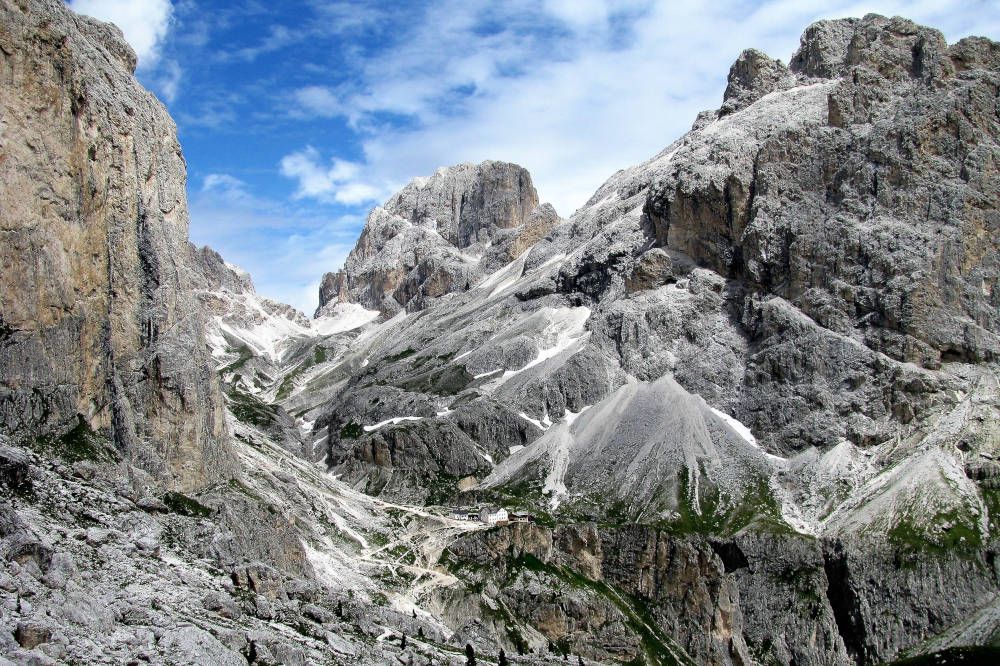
748,392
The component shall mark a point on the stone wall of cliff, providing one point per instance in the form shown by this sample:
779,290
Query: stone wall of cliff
98,328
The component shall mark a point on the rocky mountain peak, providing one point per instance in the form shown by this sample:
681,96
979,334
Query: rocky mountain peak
896,48
441,234
753,75
468,203
741,407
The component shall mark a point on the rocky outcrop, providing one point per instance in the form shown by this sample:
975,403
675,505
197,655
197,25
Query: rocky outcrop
749,390
872,213
774,343
440,235
99,328
761,597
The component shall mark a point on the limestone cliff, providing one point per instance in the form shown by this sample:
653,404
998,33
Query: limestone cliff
99,330
439,235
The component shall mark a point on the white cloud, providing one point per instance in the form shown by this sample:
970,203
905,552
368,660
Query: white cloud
572,92
144,22
226,186
317,101
610,85
337,182
169,80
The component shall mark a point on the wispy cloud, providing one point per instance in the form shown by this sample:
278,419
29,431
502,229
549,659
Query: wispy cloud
280,37
572,91
353,101
336,181
168,80
317,101
286,248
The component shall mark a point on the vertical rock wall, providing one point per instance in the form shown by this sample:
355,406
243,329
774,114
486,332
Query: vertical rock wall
97,325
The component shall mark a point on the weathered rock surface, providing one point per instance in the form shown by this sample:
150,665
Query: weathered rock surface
98,331
440,235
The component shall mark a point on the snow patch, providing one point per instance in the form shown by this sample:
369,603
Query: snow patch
345,317
393,421
566,327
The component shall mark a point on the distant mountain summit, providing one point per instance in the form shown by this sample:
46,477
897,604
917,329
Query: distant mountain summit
440,235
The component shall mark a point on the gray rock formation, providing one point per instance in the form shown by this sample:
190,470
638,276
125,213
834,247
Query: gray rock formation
440,235
779,333
99,331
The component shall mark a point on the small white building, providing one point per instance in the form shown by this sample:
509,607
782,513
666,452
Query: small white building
465,514
492,516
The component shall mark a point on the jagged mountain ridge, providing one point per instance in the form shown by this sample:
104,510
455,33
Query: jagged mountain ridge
586,369
864,369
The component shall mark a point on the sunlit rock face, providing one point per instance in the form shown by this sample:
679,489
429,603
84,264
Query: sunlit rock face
100,330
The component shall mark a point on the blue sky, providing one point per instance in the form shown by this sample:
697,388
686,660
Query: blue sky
297,117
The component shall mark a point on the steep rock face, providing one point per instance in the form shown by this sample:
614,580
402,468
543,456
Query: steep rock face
440,235
616,577
874,214
99,329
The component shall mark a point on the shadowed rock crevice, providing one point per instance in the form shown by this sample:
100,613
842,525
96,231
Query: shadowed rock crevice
845,605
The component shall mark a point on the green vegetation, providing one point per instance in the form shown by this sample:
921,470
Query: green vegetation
805,581
718,515
186,506
449,380
406,353
245,355
288,382
78,443
947,532
523,495
319,355
242,488
251,410
441,488
958,655
351,430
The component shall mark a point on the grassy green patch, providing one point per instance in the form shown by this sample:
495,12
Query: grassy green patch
406,353
803,580
991,498
959,534
960,656
251,410
243,489
78,443
245,355
186,506
449,380
319,355
351,430
441,489
717,514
